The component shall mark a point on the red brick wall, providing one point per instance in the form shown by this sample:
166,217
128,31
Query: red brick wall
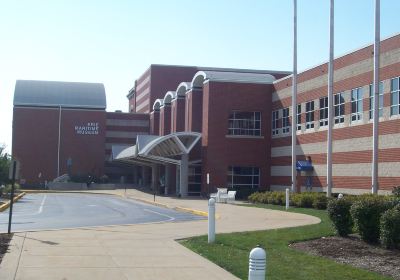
35,142
220,151
155,123
165,120
178,115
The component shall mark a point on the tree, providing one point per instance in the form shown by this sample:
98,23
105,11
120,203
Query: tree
5,161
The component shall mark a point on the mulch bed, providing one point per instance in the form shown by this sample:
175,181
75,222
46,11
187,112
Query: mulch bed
354,252
4,241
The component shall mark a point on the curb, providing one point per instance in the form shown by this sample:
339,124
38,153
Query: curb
177,208
7,204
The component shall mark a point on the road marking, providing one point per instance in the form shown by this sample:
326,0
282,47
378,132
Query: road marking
161,214
41,205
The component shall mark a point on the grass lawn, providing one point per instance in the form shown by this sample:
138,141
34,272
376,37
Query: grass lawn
231,251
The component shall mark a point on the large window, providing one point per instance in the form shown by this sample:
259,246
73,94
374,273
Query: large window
356,104
298,116
194,180
285,120
310,114
245,123
243,177
323,111
371,100
394,96
339,107
275,122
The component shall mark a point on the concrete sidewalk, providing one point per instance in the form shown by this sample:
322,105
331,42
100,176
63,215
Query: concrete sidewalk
147,251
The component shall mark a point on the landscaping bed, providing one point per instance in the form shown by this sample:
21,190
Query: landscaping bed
231,251
355,252
4,242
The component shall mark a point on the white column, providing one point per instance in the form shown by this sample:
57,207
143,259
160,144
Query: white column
375,144
184,170
294,97
330,103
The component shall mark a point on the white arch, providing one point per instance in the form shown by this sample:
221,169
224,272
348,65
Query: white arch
175,143
198,79
168,97
182,89
157,104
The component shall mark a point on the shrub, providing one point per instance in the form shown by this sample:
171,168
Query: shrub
366,214
396,191
390,228
277,198
320,201
339,213
304,200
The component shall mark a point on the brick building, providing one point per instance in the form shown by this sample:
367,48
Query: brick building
244,120
63,128
233,126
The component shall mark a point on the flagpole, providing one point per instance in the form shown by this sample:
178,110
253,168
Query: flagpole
294,96
375,143
330,103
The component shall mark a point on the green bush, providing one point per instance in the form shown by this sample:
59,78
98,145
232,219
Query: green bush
390,228
277,198
339,213
304,200
320,201
396,191
366,214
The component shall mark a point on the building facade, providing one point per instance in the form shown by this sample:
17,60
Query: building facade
192,129
244,118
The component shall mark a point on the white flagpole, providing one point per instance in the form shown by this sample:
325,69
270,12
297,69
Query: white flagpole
294,97
376,101
330,103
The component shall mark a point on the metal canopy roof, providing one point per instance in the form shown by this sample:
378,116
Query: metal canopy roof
157,148
56,94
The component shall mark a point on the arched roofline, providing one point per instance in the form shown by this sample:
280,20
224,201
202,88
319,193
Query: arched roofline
157,104
168,97
182,89
198,79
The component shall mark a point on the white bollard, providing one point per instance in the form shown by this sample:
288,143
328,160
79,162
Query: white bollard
340,196
211,220
257,264
287,199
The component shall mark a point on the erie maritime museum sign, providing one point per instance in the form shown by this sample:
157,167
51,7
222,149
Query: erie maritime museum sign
91,128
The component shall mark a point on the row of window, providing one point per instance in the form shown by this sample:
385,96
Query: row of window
249,123
338,106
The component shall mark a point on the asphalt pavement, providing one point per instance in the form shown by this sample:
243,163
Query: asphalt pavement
69,210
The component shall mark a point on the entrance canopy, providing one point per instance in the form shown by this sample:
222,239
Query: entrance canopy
151,148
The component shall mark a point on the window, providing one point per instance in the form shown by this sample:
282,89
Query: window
356,104
394,96
298,116
323,111
243,177
339,107
194,180
371,100
245,123
310,114
275,122
285,120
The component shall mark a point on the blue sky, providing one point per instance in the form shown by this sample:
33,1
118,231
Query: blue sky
113,42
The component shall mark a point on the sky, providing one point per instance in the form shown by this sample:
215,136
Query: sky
114,42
